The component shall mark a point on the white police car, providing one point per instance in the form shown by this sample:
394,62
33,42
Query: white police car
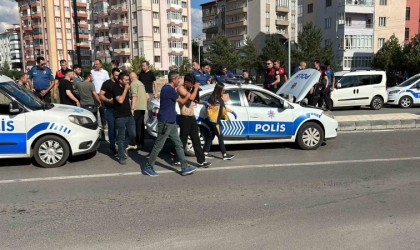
263,116
406,94
47,132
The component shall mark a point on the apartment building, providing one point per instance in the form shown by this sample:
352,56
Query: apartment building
356,29
159,30
47,29
412,19
238,19
10,48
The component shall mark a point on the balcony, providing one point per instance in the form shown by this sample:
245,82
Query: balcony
281,8
121,37
103,54
24,7
28,38
236,24
122,52
83,25
84,36
360,6
30,58
82,14
282,22
36,3
102,40
119,8
81,4
85,44
26,18
36,25
235,11
39,36
123,22
102,26
27,28
102,13
36,15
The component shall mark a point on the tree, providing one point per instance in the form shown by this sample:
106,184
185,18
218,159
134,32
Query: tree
136,64
390,59
273,50
309,46
185,67
249,55
195,47
222,52
107,66
412,56
12,73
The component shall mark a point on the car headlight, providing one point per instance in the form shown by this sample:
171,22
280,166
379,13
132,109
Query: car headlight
328,114
83,121
393,92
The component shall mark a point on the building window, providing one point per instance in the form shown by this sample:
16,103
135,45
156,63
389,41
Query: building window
59,41
348,21
184,32
328,23
328,3
157,59
68,31
382,21
381,42
407,34
155,15
184,4
134,15
156,45
67,20
185,45
156,1
383,2
358,41
57,19
184,19
357,62
310,8
267,29
267,14
407,13
58,30
155,29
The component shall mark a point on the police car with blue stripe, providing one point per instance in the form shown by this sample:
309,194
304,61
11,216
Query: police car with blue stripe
406,94
265,117
48,132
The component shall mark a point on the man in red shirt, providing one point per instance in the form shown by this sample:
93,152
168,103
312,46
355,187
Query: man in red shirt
272,78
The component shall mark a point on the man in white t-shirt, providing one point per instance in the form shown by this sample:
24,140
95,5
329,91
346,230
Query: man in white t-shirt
99,76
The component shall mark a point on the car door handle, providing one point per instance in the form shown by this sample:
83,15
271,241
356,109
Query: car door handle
354,91
357,91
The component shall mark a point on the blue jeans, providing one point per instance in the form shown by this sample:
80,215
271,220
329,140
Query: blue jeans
110,119
122,125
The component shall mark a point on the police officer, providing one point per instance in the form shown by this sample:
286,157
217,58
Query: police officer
42,79
200,73
272,78
315,93
247,79
330,86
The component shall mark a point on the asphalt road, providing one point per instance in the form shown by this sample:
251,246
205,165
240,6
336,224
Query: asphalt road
367,111
360,191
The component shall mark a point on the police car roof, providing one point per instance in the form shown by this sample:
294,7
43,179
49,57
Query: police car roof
229,86
4,78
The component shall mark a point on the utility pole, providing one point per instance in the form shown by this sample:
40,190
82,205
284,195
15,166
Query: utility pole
76,27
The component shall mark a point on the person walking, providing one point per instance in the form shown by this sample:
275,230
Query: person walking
167,127
66,90
42,80
272,78
138,107
330,86
87,93
187,122
214,121
107,100
124,120
24,82
322,83
200,73
148,78
99,76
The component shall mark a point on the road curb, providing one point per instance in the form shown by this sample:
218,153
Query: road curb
378,125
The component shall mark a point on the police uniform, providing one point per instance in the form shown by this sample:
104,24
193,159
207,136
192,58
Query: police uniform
270,77
200,77
41,80
248,81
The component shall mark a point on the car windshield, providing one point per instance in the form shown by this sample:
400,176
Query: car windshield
22,95
410,81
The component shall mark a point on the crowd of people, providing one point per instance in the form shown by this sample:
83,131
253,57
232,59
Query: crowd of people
120,100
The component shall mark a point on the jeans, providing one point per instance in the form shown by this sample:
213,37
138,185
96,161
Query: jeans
165,131
110,118
189,127
140,131
122,125
215,130
102,115
327,98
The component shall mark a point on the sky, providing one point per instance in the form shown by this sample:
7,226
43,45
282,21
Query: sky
9,15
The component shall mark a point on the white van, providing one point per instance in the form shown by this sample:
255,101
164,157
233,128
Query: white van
360,88
406,94
47,132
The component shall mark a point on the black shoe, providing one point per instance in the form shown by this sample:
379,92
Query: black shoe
208,156
227,157
204,164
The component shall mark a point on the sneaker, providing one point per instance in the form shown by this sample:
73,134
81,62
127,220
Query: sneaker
131,147
123,161
208,156
204,164
227,157
188,170
150,171
177,163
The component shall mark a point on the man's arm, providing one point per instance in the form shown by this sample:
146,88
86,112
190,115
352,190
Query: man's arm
96,96
72,97
103,98
193,95
277,81
155,89
326,82
120,99
183,95
133,97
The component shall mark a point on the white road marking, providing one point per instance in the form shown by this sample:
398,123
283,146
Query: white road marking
72,177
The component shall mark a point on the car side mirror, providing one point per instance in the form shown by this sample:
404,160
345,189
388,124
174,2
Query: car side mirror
286,105
14,108
338,86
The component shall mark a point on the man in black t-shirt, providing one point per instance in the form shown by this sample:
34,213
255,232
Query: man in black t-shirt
106,96
59,75
66,90
124,120
148,78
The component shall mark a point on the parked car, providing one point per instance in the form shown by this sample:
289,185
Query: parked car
361,88
406,94
265,117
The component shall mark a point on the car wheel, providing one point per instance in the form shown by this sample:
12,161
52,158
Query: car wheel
189,149
377,103
405,102
310,136
51,151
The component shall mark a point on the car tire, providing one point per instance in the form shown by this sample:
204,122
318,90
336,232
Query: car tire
51,151
310,136
189,149
405,102
377,103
